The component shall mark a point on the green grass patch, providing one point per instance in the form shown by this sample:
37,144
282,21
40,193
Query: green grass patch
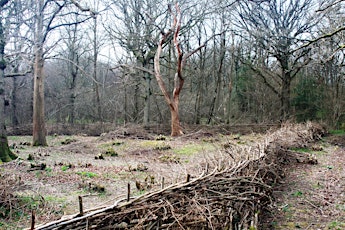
189,150
329,167
110,152
117,143
105,145
297,194
149,144
110,144
138,193
337,132
318,186
64,168
336,225
286,208
31,202
302,150
156,145
20,138
87,174
55,199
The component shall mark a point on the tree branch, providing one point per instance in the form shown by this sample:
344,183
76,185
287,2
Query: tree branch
3,2
158,74
321,37
329,6
257,71
18,74
51,21
83,9
178,81
135,67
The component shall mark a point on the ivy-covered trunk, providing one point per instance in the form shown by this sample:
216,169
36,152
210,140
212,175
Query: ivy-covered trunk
5,153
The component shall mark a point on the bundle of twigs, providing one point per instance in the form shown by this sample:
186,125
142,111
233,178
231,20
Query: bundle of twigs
231,196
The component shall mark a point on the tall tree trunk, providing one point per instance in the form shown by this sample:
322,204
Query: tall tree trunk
72,97
198,100
285,89
5,153
176,129
39,127
73,71
199,84
219,73
147,99
136,97
125,102
14,115
285,98
173,102
95,77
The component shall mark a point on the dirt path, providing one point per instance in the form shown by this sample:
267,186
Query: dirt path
313,196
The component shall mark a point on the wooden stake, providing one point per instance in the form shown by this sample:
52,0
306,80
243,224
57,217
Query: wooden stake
81,212
188,178
32,220
128,191
162,183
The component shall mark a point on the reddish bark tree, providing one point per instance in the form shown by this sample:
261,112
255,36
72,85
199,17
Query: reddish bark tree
173,101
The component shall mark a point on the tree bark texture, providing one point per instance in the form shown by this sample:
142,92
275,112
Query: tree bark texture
94,74
147,99
39,128
285,98
73,72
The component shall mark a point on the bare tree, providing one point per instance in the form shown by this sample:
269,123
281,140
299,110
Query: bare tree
279,29
138,33
73,70
329,64
18,58
47,14
218,69
173,99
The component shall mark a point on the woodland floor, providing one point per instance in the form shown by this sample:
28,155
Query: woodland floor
310,197
313,196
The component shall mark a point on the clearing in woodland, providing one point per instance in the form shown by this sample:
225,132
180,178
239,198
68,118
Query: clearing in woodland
49,180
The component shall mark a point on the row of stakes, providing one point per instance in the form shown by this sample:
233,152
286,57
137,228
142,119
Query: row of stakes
80,200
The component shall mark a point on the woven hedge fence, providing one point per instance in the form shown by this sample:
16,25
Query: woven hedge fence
233,192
